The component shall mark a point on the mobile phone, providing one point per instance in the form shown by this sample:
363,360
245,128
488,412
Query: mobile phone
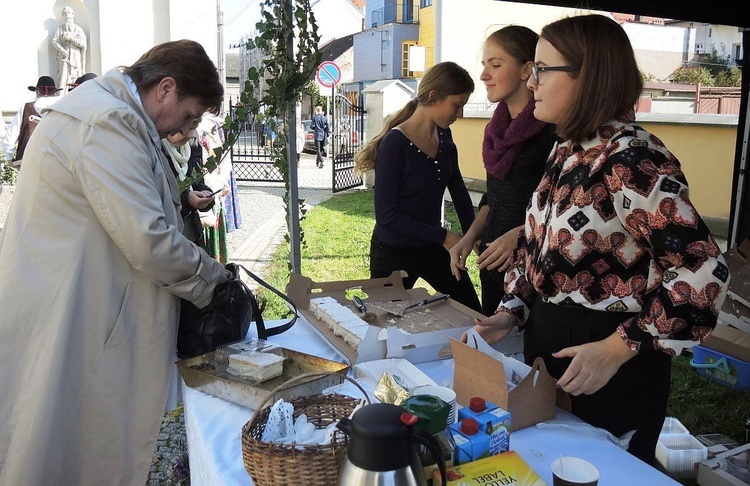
216,192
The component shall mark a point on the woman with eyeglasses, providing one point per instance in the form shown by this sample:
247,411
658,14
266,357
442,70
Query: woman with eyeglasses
185,155
514,150
617,272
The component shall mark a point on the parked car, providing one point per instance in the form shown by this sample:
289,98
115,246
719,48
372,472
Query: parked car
309,147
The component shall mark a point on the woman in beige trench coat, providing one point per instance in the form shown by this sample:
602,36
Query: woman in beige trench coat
92,266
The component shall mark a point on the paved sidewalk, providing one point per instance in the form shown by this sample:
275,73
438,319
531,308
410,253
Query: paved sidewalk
264,219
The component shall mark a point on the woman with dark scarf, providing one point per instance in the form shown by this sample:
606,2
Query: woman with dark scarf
515,148
186,156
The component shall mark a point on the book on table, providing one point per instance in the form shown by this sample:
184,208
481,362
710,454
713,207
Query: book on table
505,468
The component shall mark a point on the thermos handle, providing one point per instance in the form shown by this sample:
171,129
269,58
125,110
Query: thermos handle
422,437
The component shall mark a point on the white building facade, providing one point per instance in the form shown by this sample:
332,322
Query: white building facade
117,32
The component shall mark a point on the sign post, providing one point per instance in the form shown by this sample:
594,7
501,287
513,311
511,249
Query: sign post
329,76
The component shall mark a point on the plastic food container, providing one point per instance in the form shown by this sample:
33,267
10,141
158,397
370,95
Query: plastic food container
673,426
678,453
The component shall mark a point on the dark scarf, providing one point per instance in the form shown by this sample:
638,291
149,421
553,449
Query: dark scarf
504,138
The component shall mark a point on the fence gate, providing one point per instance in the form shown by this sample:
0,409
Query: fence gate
251,154
348,135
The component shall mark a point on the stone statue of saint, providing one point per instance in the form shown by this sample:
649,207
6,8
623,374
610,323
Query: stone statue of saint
70,43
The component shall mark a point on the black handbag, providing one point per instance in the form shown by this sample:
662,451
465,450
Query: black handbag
227,318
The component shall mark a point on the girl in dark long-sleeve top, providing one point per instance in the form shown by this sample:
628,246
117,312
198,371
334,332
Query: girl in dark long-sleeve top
415,160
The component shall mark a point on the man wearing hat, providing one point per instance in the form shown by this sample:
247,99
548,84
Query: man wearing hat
25,121
80,80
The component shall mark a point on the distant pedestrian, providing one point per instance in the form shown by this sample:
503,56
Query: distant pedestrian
300,139
320,129
23,124
2,162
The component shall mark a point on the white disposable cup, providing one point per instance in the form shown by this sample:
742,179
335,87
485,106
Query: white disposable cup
574,471
442,392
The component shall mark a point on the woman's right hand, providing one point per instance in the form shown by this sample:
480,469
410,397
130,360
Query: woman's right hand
493,328
200,199
498,252
459,253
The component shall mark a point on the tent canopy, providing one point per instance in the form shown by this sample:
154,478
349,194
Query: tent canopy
720,12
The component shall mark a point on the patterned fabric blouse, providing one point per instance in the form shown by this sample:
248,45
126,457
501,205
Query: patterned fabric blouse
610,227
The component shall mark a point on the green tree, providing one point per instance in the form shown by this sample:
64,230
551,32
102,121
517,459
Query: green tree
730,77
287,36
312,89
288,39
8,175
686,75
714,70
714,63
648,78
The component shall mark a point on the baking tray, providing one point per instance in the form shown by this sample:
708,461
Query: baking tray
207,374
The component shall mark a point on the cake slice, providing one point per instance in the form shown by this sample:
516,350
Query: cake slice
256,366
340,319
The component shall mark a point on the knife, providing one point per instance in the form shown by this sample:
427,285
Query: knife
359,304
422,302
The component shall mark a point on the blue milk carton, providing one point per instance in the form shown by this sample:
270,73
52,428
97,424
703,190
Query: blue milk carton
493,420
470,443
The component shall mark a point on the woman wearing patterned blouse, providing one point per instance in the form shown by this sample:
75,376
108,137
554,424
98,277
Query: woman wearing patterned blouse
618,272
415,160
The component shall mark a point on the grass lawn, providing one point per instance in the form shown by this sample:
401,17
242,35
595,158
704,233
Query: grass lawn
336,247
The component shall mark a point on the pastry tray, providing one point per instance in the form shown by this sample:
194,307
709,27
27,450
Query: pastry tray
208,374
402,370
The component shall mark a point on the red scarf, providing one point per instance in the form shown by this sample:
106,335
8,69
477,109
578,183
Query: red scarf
504,138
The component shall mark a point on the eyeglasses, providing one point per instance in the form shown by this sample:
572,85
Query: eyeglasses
536,70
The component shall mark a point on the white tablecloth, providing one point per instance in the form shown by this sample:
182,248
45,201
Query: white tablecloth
215,449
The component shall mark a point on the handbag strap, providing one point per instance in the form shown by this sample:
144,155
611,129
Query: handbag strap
264,333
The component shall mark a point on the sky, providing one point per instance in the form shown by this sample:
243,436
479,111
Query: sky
240,17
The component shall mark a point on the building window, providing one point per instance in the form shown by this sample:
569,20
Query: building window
405,73
425,3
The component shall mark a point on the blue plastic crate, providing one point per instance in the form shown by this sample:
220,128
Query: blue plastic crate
721,368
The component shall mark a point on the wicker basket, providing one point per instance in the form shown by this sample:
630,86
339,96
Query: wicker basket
270,464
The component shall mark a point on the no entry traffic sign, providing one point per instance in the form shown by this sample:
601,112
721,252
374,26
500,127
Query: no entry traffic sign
329,74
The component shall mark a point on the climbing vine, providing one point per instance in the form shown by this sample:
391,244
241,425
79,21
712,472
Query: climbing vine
278,83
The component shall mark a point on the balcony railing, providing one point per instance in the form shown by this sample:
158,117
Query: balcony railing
401,13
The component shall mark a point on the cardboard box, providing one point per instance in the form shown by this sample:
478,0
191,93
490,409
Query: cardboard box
494,421
421,335
485,372
715,472
717,443
736,308
730,341
469,447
